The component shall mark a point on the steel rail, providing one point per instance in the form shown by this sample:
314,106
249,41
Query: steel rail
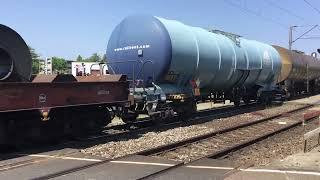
169,147
227,150
203,118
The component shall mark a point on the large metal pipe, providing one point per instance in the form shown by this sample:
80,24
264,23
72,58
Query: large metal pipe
15,58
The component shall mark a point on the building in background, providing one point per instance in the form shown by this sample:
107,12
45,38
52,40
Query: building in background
45,66
69,66
88,68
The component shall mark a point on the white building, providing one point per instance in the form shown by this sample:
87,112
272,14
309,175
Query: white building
88,68
45,66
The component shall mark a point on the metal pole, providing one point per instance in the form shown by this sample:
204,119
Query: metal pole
290,37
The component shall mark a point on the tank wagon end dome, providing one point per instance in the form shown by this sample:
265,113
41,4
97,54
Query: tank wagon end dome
140,38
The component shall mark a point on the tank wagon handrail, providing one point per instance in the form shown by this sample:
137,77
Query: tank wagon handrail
134,75
133,70
142,68
233,37
141,71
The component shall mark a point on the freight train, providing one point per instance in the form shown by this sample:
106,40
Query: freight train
157,67
172,65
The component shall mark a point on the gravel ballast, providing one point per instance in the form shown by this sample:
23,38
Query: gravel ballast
273,148
221,141
153,139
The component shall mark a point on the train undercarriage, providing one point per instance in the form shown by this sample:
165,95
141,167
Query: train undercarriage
294,88
185,105
32,125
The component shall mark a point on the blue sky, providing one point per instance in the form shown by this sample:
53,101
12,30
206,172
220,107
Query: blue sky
68,28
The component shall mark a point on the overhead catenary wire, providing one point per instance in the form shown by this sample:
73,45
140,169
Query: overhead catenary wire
311,38
272,3
249,11
313,7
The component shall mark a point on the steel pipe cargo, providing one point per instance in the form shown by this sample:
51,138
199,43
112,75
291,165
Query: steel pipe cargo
15,58
182,54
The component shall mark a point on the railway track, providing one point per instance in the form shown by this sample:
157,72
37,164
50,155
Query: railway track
220,143
140,127
125,131
169,147
263,128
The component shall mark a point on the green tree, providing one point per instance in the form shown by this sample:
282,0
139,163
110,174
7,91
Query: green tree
94,58
104,59
79,58
59,64
35,60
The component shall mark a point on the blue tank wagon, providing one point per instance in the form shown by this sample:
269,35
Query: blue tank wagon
185,62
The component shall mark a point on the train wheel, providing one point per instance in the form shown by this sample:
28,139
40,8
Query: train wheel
236,102
187,109
111,114
265,100
129,117
246,100
101,117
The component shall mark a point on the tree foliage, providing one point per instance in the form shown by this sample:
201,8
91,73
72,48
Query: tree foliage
79,58
35,60
104,58
95,57
59,64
